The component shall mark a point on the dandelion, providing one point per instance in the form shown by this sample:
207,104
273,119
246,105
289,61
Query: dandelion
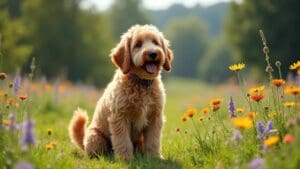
49,132
237,67
204,110
3,76
24,165
271,141
278,82
242,122
288,139
28,136
257,97
257,163
251,115
257,89
289,104
216,101
17,84
239,110
231,108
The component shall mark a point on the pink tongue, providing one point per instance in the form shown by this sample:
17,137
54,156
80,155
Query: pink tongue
151,68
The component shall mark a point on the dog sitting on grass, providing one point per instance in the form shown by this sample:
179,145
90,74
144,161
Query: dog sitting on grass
129,115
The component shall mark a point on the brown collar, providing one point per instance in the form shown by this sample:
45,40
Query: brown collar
143,82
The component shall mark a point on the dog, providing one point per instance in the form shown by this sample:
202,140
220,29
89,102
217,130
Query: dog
129,115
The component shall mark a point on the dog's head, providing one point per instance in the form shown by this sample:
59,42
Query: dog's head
143,50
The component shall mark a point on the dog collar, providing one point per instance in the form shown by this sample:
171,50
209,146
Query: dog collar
144,82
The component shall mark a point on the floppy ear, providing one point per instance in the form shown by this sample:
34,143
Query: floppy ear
121,56
169,55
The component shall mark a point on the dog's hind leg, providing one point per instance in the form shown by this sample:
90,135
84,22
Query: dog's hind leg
95,143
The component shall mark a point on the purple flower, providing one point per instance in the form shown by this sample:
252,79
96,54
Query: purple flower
17,84
257,163
269,126
231,108
23,165
28,136
260,127
237,136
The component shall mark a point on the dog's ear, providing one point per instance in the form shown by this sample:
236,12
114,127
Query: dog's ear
169,55
121,56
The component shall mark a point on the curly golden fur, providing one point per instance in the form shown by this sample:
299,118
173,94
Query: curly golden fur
129,115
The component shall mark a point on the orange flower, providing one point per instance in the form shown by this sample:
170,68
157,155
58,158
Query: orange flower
190,112
215,107
288,139
271,141
278,82
205,110
10,101
257,89
292,90
22,96
257,96
216,101
251,115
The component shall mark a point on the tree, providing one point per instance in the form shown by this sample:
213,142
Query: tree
124,14
280,22
188,37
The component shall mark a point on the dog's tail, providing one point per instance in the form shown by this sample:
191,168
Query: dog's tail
77,127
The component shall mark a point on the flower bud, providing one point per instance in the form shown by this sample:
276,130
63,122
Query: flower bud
266,50
278,63
269,69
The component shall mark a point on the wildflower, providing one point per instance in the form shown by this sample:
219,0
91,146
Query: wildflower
272,115
295,66
177,129
271,141
184,118
257,163
22,96
54,143
5,122
49,132
257,97
288,139
260,130
49,146
239,110
10,101
257,89
17,84
231,108
23,165
269,69
216,101
215,108
28,137
190,112
204,110
201,118
3,76
269,126
237,136
292,90
266,50
242,122
289,104
237,67
278,82
251,115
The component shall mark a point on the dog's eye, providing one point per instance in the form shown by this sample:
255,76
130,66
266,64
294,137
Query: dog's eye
139,44
155,42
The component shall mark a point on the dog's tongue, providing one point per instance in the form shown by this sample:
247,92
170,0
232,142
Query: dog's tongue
151,68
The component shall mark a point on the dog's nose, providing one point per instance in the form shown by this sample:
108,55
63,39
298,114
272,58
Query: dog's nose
152,54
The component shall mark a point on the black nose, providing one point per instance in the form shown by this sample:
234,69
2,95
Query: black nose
152,54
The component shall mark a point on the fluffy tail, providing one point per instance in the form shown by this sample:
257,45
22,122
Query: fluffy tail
77,127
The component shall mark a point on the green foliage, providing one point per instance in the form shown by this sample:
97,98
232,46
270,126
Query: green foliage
280,22
213,66
124,14
189,41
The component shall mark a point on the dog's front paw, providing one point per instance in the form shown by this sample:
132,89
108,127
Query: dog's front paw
125,156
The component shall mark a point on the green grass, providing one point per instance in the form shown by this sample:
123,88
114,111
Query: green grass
180,149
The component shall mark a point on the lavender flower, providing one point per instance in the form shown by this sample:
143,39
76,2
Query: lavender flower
269,126
237,136
231,108
28,136
257,163
24,165
17,84
260,130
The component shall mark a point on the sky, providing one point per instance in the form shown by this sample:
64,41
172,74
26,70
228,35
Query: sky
153,4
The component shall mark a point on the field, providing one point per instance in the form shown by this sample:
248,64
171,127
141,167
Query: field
192,138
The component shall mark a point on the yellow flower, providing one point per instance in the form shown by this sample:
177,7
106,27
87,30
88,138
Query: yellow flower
216,101
239,110
54,143
278,82
272,115
251,115
288,104
295,66
257,89
190,112
1,93
49,146
271,141
242,122
49,131
204,110
5,122
292,90
237,67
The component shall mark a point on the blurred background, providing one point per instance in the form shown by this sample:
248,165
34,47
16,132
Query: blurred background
72,39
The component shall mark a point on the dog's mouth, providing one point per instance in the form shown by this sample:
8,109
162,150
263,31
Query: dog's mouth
151,67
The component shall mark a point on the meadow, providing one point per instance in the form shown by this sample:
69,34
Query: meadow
235,125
